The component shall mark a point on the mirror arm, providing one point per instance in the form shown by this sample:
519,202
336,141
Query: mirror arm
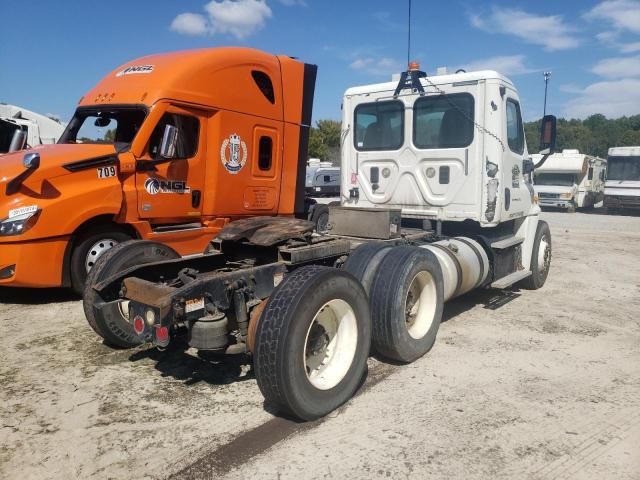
542,160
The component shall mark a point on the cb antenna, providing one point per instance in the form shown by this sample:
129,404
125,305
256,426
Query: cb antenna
409,36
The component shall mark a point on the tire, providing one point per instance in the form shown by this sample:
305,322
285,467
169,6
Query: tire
110,322
289,374
97,241
571,208
540,261
320,217
404,273
364,261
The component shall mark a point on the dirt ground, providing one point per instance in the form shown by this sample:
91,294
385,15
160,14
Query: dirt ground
545,386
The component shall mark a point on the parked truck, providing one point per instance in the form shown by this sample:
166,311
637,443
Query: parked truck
239,122
570,180
21,128
435,202
622,190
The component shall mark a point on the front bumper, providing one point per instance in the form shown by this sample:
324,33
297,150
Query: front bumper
621,201
555,203
37,263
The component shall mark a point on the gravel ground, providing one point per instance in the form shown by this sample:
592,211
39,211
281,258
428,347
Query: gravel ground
545,386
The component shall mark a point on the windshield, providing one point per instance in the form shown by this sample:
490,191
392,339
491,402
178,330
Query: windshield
117,126
7,130
623,168
555,179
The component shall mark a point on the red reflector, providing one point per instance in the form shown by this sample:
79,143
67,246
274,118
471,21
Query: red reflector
138,324
162,334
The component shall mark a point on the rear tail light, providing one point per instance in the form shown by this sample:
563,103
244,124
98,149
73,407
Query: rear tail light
162,335
138,324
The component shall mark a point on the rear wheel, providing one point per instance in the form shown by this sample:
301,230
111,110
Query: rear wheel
312,342
540,258
364,261
111,321
320,218
90,246
406,303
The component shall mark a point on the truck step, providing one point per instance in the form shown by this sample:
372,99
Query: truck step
507,242
510,279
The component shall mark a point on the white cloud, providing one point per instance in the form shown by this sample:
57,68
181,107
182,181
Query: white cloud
619,67
377,66
189,24
621,14
630,47
507,65
611,98
551,31
292,3
240,18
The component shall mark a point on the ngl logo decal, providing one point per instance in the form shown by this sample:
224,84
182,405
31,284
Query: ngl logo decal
135,70
153,186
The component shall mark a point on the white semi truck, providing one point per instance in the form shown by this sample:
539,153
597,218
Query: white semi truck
435,201
570,180
21,128
622,189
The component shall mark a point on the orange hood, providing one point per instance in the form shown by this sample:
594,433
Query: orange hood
52,159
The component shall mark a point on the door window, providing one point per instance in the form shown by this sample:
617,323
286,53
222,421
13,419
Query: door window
265,153
515,133
188,128
379,126
444,121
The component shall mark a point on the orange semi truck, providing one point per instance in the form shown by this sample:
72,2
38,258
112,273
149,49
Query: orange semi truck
238,120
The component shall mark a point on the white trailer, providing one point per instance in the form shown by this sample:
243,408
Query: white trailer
622,189
570,180
20,128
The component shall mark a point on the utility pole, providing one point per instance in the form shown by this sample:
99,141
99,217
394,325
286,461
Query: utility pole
547,75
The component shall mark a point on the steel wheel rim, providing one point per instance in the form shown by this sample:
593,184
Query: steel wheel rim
330,344
420,305
544,254
96,250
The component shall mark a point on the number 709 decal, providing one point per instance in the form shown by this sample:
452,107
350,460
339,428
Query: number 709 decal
106,172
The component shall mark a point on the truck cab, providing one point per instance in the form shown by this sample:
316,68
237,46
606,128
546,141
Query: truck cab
427,152
167,147
20,128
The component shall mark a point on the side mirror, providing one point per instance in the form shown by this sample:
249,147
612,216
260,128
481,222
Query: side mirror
102,122
18,141
31,161
169,141
548,135
527,166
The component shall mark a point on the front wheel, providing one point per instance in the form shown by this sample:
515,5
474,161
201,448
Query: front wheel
540,258
312,342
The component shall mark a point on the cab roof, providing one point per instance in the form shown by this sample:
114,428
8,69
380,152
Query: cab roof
436,79
624,151
214,77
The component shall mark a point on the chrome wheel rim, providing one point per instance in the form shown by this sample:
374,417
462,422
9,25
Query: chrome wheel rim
544,254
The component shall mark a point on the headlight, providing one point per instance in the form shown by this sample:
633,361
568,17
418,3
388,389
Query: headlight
18,224
566,196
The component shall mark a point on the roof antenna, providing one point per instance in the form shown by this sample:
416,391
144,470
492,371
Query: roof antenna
411,77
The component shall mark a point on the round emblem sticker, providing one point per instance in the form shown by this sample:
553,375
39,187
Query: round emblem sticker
233,153
152,185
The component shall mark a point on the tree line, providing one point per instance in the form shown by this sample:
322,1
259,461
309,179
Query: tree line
593,135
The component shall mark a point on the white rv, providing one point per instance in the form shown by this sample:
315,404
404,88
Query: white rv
570,179
622,189
20,128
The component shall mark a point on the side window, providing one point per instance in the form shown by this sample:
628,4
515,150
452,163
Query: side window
265,84
379,126
265,153
187,139
590,174
515,133
444,121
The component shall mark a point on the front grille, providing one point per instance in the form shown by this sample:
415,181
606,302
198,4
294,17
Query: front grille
548,195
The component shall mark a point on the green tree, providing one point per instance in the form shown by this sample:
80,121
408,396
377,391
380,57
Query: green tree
324,141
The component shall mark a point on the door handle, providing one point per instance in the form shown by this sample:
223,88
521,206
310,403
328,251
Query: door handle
195,198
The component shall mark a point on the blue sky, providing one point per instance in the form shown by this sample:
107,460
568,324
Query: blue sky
53,52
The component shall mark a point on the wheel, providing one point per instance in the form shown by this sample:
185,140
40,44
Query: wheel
571,208
89,246
540,258
320,217
407,297
364,261
312,342
111,322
